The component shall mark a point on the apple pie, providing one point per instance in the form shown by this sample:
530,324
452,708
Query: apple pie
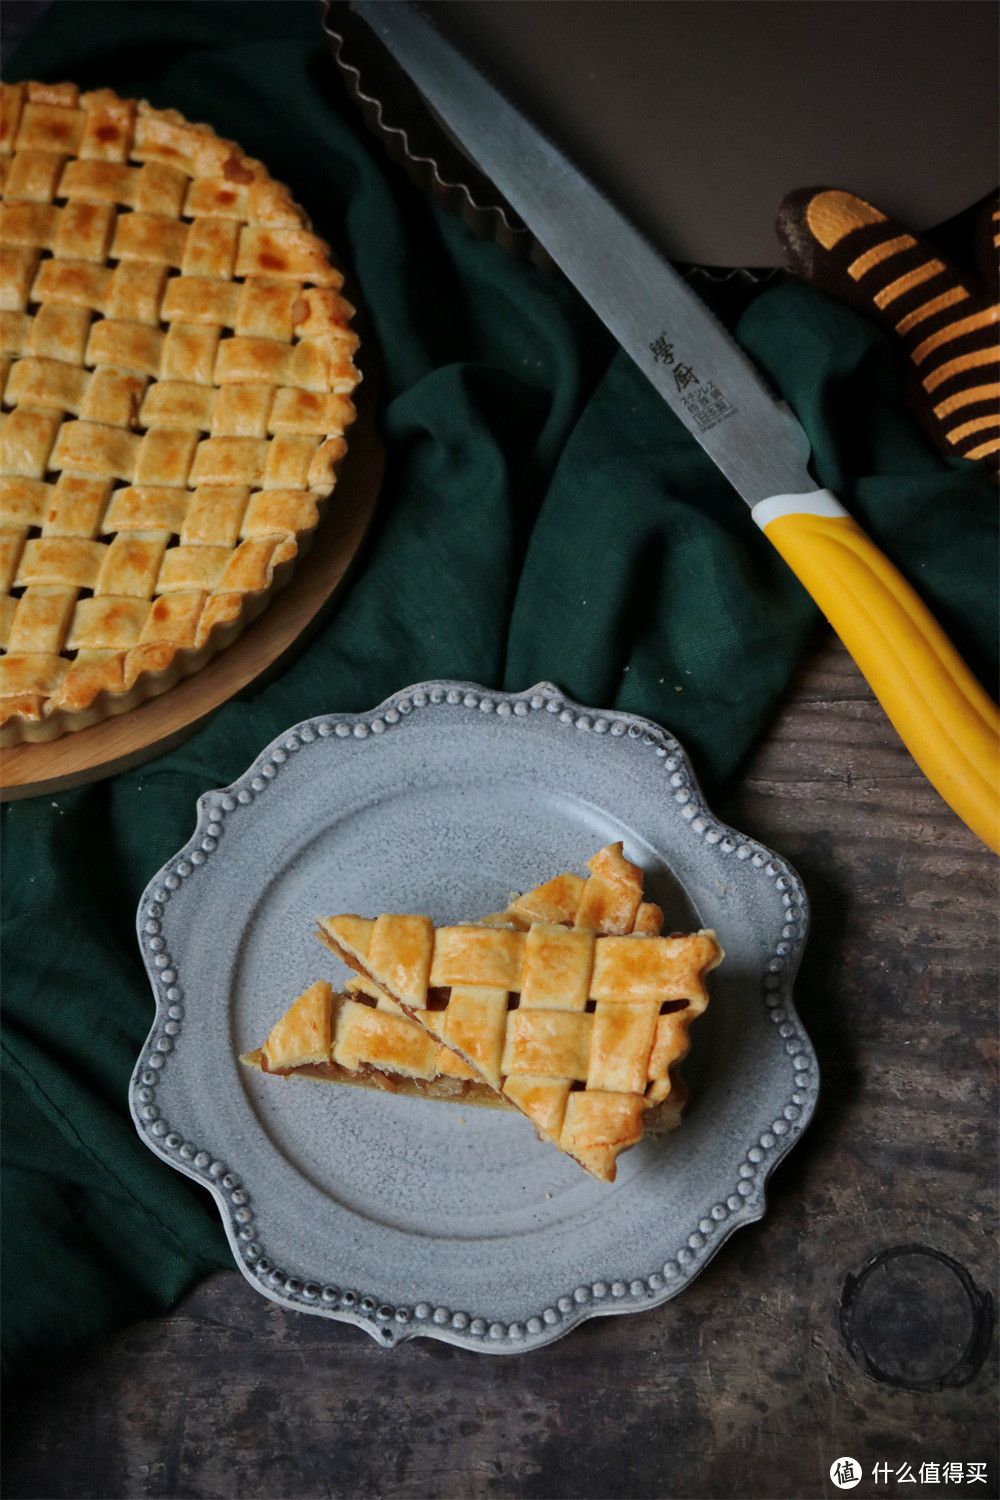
568,1006
336,1037
177,372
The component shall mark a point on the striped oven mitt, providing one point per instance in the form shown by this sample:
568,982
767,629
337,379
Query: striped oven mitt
947,323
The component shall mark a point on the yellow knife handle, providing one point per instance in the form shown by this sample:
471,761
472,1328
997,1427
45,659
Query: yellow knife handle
945,719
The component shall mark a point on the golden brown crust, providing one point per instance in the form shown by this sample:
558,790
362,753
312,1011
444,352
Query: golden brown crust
539,1014
304,1032
388,1049
177,379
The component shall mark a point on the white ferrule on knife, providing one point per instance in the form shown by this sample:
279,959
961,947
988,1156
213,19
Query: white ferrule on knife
814,503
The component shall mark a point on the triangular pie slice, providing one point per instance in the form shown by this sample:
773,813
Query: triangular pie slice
578,1030
334,1037
340,1038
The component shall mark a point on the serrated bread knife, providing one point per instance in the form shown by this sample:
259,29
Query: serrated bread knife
948,723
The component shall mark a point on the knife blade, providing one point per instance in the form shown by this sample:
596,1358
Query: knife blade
940,711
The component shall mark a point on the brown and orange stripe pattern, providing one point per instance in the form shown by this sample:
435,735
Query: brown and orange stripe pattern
948,325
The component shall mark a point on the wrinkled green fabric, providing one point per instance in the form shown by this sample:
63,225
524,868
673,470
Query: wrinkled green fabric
543,516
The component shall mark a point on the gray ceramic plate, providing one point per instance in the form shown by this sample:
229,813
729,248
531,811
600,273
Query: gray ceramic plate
407,1216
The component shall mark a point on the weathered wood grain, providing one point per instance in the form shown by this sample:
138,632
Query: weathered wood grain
741,1387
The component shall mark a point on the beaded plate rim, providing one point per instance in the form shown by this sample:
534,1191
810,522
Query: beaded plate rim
746,1202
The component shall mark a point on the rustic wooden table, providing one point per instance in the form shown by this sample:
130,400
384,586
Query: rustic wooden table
744,1385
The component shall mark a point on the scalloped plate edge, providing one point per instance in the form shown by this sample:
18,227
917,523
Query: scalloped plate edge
391,1325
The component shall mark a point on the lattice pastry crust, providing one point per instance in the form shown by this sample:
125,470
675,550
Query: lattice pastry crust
334,1037
177,371
577,1030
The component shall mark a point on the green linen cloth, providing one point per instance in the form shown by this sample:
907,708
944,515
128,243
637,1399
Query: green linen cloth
543,515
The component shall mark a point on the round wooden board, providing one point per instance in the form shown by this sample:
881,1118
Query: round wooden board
159,724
